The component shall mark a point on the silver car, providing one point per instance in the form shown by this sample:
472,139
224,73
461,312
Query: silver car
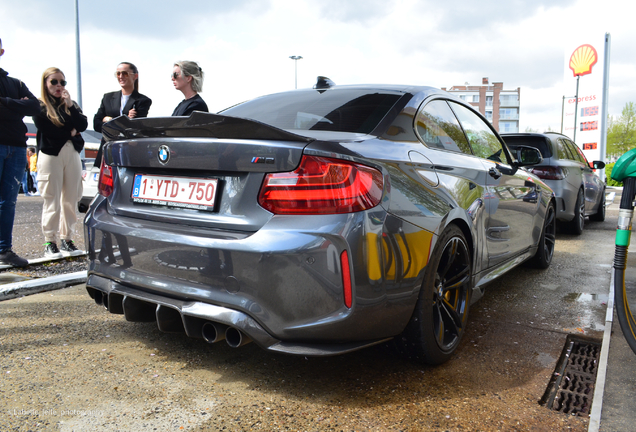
579,191
90,175
314,222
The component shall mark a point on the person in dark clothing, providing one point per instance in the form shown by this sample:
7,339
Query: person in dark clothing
187,77
60,123
16,101
127,101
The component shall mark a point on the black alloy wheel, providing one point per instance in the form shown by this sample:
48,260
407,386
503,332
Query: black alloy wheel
441,313
576,225
545,249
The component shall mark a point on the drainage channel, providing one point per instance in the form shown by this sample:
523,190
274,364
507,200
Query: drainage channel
571,388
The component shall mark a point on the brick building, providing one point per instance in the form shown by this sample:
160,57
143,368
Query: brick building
499,106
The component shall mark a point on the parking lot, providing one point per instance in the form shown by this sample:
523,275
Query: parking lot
69,365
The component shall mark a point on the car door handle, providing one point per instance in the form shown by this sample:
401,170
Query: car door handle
494,173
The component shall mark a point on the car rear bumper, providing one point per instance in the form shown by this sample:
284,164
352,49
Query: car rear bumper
202,320
565,196
281,286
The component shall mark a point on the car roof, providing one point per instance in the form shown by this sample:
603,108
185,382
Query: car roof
398,88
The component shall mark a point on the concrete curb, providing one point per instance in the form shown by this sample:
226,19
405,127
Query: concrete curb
599,386
35,286
42,260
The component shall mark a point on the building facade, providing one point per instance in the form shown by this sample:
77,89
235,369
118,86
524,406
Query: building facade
499,106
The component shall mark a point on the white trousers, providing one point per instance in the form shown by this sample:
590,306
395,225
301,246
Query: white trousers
60,184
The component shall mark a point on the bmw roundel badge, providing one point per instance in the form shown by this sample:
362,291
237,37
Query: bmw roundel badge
163,154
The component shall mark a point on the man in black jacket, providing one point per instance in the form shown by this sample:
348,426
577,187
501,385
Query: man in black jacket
16,101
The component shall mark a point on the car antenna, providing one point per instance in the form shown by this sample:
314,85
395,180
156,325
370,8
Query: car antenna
323,83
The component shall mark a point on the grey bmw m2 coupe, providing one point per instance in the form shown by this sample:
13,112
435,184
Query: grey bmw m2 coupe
314,222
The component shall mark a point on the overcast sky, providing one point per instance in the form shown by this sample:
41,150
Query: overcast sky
244,46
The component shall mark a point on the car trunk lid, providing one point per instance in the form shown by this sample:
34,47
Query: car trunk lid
177,159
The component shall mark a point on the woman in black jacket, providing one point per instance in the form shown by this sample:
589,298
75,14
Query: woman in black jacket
60,123
127,101
187,77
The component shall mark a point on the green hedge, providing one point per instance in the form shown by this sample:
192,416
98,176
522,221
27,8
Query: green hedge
608,175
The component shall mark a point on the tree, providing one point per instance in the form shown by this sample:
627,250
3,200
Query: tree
621,132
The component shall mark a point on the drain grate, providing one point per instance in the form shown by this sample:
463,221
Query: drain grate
571,387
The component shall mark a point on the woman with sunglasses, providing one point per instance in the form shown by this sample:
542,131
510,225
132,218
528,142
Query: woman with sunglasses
59,140
127,101
187,77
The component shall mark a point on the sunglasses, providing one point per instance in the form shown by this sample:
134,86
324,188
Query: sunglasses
122,73
54,82
176,75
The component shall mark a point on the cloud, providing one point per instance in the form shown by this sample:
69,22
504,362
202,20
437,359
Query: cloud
354,11
155,19
244,45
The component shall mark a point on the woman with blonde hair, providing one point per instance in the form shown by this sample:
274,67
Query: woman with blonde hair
187,77
60,123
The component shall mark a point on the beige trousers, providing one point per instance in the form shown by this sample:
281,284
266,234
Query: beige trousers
60,183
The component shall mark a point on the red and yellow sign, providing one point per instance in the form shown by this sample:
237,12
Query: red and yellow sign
582,60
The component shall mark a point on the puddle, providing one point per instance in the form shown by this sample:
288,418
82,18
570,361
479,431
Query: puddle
546,360
590,310
586,298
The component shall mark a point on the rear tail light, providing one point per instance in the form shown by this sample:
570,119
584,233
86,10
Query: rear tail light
548,172
322,186
105,185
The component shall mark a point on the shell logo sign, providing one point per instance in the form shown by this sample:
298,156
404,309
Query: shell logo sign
582,60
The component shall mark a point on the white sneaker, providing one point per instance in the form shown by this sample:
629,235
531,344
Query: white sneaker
68,248
51,250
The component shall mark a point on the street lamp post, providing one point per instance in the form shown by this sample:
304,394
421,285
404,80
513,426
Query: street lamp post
295,59
77,53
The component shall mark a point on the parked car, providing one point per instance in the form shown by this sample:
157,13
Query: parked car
90,175
579,191
314,222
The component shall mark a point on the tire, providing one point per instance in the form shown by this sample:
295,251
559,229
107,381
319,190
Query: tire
599,216
545,249
575,226
441,313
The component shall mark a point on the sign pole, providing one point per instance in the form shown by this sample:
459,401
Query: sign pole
576,106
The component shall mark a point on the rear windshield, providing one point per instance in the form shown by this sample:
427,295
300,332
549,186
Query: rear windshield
341,110
537,142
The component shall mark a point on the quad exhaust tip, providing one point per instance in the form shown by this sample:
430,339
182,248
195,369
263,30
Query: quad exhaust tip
169,319
213,332
236,338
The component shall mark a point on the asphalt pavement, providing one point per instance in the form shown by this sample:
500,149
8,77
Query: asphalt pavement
618,390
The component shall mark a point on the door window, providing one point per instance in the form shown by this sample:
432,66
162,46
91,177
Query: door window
482,139
562,150
581,155
437,127
574,149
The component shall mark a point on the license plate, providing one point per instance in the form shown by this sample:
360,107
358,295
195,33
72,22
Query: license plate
185,192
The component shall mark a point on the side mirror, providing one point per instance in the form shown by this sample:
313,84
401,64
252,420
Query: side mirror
527,155
598,164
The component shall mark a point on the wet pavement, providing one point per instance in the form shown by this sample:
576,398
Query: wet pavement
69,365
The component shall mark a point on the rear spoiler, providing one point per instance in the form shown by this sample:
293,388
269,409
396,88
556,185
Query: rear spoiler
198,125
